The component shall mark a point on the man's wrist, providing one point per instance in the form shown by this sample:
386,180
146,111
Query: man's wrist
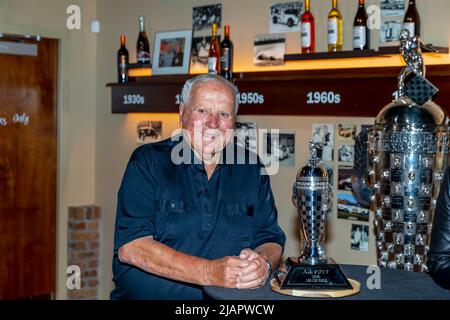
268,264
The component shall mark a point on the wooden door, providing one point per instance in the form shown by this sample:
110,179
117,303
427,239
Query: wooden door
28,87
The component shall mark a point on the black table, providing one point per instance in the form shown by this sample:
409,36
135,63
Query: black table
395,285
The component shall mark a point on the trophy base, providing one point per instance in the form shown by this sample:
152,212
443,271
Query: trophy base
295,275
275,286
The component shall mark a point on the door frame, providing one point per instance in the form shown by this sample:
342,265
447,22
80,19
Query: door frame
62,147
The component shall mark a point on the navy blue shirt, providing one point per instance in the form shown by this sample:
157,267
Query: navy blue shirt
181,208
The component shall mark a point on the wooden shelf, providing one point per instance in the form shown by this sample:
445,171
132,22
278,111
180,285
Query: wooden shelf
330,55
139,65
360,92
396,49
382,51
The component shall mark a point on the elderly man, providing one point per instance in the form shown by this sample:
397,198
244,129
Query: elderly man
202,222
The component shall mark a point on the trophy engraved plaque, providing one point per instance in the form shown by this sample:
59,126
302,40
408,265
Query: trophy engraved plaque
312,196
407,154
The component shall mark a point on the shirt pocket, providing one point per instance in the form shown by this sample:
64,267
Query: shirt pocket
172,219
240,222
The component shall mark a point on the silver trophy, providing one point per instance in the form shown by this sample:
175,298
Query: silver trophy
312,196
407,155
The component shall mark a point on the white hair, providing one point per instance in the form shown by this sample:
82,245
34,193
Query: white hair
190,83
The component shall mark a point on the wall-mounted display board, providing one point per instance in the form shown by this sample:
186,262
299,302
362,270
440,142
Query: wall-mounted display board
358,92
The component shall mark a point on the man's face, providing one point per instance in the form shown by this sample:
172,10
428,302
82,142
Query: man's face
209,119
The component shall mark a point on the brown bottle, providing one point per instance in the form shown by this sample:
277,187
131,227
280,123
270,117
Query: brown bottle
214,52
122,61
412,19
226,55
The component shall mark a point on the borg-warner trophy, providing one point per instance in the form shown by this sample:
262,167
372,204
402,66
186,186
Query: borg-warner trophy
407,155
312,196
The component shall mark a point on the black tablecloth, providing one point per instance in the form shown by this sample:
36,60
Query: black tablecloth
395,285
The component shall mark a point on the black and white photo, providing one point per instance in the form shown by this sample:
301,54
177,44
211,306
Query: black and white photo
200,53
203,17
246,135
149,131
392,8
269,50
285,17
390,31
323,134
348,208
359,237
345,178
281,149
346,153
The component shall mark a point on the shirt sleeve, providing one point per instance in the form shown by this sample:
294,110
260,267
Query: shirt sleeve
136,210
266,215
439,254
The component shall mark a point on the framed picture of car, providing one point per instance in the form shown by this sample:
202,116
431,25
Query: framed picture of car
269,49
281,148
392,8
149,131
285,17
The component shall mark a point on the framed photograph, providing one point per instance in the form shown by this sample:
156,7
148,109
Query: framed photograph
282,149
203,17
269,49
348,208
149,131
346,153
323,134
171,52
285,17
390,31
345,178
346,132
392,8
200,53
359,237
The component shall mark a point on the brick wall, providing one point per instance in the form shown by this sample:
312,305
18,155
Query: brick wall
83,250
